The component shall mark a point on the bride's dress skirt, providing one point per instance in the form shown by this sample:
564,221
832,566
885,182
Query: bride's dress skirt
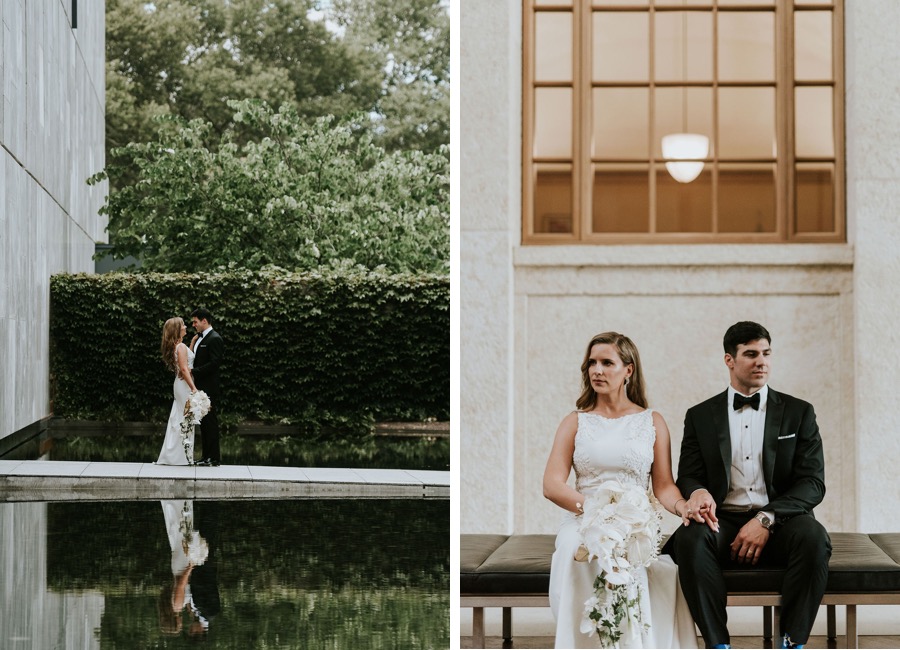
173,449
572,583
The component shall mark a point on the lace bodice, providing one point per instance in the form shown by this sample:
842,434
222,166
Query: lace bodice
621,448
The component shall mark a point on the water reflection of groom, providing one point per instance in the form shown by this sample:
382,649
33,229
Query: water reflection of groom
205,602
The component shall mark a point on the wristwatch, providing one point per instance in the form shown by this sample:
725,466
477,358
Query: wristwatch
764,520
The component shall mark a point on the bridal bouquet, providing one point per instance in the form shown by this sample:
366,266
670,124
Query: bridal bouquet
195,547
196,406
620,529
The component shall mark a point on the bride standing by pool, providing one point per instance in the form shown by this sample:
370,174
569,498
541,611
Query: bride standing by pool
178,358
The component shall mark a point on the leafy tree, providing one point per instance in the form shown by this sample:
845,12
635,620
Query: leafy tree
188,57
411,41
303,195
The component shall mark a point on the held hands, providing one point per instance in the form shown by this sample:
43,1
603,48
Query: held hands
701,507
749,543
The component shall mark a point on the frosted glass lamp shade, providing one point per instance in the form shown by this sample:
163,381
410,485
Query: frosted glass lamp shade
686,151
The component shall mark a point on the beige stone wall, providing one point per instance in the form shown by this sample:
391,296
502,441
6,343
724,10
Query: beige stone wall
527,312
52,88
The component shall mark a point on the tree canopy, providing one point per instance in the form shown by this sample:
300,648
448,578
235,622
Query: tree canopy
303,194
388,59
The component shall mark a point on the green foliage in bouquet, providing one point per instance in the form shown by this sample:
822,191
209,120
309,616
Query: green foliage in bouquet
332,352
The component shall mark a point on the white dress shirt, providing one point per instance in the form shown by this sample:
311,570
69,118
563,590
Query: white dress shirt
747,427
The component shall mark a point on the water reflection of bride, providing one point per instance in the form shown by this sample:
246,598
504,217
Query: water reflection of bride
189,551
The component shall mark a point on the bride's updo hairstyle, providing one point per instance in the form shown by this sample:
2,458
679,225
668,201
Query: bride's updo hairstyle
628,352
171,337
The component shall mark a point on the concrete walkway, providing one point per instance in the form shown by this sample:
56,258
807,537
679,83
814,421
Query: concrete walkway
48,480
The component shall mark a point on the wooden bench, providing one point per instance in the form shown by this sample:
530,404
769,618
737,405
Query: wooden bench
514,571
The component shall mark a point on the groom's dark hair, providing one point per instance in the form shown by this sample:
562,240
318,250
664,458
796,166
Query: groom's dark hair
743,333
202,314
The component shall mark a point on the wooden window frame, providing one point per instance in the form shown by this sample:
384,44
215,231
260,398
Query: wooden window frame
785,160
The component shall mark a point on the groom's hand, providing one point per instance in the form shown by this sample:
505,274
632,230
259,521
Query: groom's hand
701,507
749,543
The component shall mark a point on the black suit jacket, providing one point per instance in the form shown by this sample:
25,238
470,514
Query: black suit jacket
792,458
207,358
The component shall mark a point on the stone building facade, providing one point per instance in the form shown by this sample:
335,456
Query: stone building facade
52,111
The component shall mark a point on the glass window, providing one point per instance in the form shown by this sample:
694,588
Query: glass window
683,121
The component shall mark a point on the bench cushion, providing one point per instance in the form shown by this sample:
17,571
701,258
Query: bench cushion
520,564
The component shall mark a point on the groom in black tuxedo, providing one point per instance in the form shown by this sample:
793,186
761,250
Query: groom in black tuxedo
208,352
752,469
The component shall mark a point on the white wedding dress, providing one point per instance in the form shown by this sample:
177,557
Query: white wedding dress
615,449
173,451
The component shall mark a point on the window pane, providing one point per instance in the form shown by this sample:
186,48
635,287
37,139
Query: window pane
673,59
552,122
746,123
553,199
812,45
812,2
815,197
671,116
746,46
621,199
732,3
813,124
553,46
747,198
621,123
683,207
621,48
553,3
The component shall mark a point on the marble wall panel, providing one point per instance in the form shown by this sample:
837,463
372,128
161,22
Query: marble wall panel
51,139
12,135
485,362
490,140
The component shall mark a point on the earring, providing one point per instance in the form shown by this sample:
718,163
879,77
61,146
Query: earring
626,381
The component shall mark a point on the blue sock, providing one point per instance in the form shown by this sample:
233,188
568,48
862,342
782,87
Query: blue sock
722,645
786,642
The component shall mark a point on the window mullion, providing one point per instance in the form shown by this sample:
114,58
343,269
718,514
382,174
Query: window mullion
582,165
784,92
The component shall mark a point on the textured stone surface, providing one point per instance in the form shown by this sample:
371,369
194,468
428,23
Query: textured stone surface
832,308
52,89
74,480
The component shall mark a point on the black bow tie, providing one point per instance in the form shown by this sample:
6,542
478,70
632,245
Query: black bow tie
740,401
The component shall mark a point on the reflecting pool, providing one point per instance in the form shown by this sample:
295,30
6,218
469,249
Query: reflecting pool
336,573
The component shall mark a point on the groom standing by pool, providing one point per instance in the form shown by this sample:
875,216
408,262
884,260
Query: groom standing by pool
752,465
209,348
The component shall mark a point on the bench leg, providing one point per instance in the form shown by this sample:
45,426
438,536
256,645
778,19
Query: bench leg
478,627
852,637
832,625
507,623
776,623
767,626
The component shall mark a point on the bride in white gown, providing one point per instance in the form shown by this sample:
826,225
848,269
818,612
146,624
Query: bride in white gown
179,359
613,437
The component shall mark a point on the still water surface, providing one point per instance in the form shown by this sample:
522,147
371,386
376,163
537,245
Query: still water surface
243,574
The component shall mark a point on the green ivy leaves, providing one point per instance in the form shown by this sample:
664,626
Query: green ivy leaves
333,351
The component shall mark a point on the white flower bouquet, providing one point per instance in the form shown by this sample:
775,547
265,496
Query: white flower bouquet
196,406
620,530
195,548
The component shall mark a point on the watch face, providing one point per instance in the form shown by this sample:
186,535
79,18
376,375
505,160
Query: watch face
765,521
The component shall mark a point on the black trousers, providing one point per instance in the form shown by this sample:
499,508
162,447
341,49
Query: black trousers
209,435
801,545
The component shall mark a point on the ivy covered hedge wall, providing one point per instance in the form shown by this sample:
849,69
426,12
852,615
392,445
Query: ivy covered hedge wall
333,352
